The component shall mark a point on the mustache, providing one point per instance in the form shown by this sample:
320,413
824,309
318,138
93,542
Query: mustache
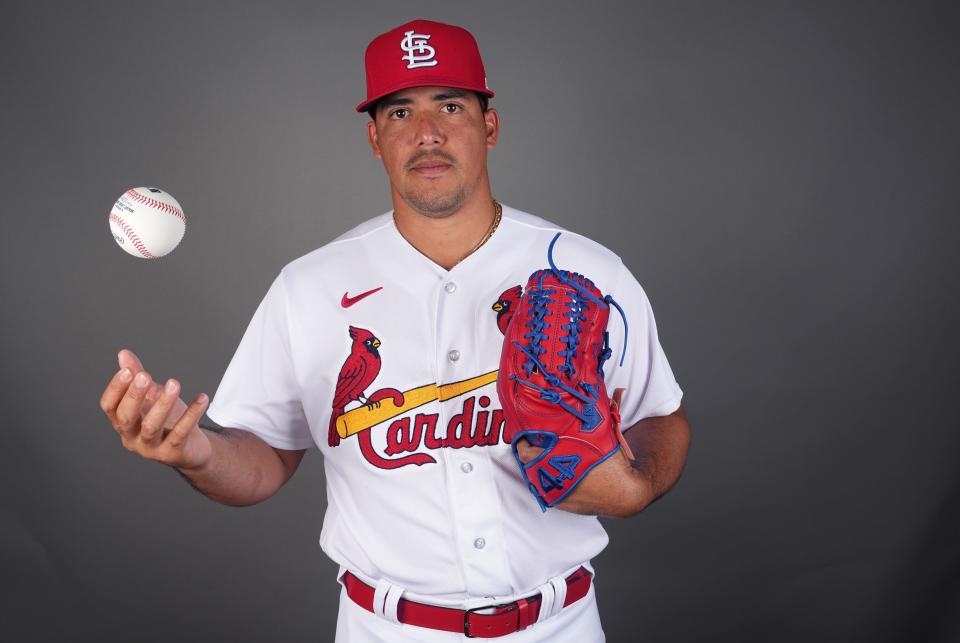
429,156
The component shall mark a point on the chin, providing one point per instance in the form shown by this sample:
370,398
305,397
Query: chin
436,205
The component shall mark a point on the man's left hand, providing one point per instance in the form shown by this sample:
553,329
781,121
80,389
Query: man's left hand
620,488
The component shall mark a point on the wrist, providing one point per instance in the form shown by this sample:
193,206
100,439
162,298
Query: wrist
200,465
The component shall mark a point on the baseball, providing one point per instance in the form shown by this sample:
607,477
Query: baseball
147,222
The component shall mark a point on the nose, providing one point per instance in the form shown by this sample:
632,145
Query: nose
429,131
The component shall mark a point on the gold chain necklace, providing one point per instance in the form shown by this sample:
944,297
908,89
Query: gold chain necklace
498,213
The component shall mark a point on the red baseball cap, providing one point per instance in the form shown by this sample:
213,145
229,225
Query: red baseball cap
421,53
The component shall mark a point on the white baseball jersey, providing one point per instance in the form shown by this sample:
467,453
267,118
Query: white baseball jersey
387,362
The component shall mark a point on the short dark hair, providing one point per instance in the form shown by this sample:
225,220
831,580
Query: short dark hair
375,105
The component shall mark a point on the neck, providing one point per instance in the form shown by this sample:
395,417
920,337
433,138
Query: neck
446,240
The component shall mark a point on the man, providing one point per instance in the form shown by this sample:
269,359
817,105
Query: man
381,349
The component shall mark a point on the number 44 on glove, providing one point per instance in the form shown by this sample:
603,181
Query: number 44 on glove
551,383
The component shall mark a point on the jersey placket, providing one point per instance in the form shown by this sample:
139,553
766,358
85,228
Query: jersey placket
468,472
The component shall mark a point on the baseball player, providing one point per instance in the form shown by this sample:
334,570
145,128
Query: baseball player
382,349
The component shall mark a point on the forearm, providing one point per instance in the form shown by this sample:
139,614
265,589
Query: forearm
242,469
620,488
613,489
659,446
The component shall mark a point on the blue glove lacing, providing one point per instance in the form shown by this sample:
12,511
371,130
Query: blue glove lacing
539,299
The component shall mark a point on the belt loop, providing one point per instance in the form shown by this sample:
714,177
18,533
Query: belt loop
553,594
391,602
386,597
547,600
560,593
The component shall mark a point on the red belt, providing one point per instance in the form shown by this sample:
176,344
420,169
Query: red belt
506,619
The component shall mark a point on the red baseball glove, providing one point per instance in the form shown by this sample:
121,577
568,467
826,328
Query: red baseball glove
551,383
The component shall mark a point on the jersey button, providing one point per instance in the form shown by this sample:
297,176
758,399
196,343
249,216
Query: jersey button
450,287
453,355
479,543
466,467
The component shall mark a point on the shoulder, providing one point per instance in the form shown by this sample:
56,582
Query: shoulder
571,249
338,253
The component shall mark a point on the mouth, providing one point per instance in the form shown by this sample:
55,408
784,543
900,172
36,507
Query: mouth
431,168
431,164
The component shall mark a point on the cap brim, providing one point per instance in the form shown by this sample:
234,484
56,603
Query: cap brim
434,82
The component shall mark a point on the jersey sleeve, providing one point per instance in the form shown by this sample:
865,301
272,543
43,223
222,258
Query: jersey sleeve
651,388
259,391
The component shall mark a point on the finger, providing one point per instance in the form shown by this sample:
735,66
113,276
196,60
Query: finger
151,426
187,422
114,392
128,359
154,391
128,411
527,451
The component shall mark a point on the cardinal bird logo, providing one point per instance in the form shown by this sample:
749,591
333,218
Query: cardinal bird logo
508,302
356,374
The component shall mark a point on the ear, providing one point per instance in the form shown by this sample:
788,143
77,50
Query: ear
372,138
491,119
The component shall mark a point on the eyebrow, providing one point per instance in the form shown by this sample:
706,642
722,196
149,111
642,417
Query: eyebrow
445,95
450,93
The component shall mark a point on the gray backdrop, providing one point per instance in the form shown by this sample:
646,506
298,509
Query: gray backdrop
781,177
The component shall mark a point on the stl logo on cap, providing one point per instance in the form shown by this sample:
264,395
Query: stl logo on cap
416,64
419,53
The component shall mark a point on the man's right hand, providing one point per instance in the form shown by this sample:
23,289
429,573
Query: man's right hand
153,421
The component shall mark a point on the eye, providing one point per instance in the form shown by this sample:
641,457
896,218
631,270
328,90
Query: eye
398,113
452,108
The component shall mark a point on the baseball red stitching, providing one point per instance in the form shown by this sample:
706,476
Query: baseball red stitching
134,239
160,205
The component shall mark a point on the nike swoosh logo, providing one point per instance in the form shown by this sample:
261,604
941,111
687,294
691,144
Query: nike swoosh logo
348,301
